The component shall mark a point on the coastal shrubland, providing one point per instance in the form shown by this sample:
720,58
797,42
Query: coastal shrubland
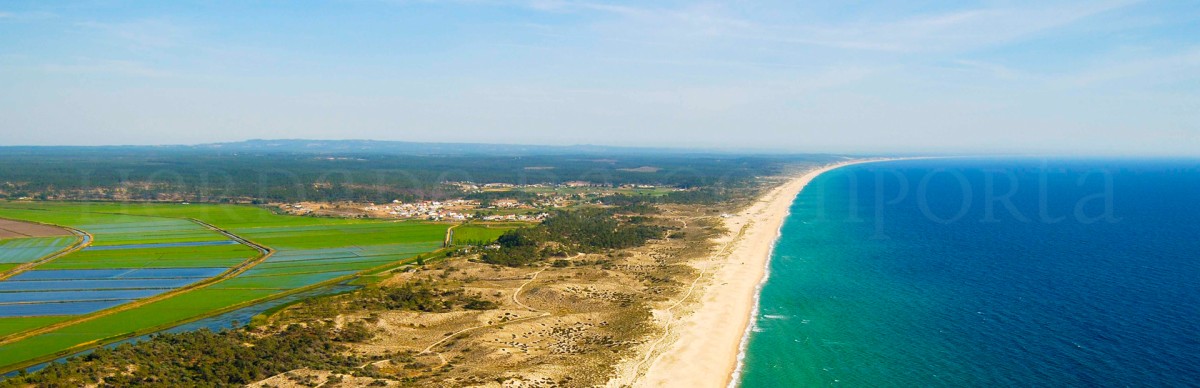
565,233
206,359
424,295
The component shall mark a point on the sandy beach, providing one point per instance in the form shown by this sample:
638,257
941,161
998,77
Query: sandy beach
704,331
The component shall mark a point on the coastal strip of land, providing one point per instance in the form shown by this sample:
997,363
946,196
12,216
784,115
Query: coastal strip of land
703,332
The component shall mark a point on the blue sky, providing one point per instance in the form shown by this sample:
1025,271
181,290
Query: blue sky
1103,77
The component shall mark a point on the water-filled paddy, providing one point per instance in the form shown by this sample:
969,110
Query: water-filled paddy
161,245
282,282
11,286
24,250
173,257
69,292
118,273
68,308
8,299
321,267
157,245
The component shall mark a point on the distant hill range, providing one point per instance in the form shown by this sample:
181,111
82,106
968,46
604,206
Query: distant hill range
416,148
380,147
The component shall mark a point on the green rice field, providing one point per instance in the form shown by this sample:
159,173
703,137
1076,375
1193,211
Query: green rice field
482,233
17,325
199,256
176,268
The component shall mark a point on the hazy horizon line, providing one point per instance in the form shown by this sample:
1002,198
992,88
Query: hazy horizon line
949,152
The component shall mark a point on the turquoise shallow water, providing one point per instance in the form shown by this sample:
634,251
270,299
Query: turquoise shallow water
986,273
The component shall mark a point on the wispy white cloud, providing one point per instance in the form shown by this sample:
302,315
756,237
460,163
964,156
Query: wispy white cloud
141,34
949,31
1164,68
24,16
946,31
994,70
692,100
107,66
701,18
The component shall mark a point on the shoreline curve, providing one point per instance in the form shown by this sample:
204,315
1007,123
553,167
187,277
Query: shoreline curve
709,347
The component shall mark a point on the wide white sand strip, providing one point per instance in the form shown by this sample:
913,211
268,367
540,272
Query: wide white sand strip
701,349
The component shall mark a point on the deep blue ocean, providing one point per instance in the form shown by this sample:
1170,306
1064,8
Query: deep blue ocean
986,272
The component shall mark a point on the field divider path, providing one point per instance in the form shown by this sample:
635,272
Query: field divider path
450,236
84,239
264,253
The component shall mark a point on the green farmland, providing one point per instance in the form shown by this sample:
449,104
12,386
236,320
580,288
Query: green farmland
167,257
168,264
482,233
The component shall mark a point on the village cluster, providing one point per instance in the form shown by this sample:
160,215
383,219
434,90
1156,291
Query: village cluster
499,209
451,210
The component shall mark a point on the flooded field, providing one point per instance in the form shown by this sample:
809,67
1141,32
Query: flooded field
118,273
142,268
27,249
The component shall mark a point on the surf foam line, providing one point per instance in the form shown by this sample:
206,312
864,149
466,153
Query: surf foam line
734,378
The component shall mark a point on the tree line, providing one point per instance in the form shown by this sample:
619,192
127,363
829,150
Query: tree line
567,232
207,175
